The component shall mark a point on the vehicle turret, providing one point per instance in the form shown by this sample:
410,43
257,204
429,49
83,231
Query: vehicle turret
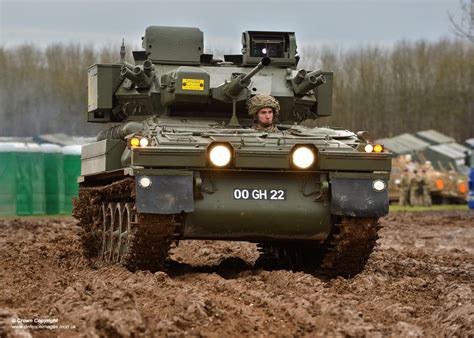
173,76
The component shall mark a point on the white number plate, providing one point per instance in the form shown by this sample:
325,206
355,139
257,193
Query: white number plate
260,194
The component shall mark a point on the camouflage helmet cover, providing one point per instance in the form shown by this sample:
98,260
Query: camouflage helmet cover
260,101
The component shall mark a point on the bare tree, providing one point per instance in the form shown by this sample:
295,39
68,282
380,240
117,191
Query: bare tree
387,91
464,26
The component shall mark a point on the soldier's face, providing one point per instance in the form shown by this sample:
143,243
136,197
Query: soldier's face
265,116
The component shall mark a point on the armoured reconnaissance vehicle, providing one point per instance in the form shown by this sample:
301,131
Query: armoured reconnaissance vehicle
183,161
444,186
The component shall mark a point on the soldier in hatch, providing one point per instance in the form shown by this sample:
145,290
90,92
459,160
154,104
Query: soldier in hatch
265,110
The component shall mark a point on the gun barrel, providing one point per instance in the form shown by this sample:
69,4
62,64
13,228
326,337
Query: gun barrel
262,64
237,85
310,81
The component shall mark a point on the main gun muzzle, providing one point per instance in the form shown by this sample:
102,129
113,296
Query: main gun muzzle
234,88
262,64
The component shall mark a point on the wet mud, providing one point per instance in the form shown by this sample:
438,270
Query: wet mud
418,282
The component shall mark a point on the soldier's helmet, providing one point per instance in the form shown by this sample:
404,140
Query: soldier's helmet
260,101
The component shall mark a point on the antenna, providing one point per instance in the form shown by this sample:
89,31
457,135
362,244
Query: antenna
122,51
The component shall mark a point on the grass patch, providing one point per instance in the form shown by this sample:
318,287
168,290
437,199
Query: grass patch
440,207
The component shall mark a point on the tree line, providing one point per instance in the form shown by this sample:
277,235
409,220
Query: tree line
407,87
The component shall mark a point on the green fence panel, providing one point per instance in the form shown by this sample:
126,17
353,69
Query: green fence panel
8,168
72,170
53,178
38,188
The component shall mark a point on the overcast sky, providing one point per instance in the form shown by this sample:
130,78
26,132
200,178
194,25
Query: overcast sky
336,22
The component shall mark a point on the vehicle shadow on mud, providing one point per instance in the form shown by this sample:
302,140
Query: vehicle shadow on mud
235,267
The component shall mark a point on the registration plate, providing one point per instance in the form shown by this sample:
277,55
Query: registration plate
260,194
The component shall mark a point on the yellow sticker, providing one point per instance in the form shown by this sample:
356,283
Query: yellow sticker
192,84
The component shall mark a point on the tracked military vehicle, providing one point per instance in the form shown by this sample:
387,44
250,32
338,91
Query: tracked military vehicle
182,160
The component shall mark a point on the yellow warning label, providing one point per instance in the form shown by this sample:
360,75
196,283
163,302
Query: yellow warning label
192,84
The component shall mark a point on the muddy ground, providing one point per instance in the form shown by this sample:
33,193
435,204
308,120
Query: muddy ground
418,282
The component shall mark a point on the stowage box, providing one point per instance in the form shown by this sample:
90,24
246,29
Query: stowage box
103,81
102,156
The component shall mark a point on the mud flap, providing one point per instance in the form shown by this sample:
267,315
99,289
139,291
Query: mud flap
167,194
356,197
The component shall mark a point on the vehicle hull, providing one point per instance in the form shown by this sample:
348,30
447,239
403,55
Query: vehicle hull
256,206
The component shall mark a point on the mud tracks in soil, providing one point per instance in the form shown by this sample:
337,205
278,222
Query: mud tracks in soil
418,282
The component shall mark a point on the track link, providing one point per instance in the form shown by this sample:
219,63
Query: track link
114,230
344,253
149,242
350,245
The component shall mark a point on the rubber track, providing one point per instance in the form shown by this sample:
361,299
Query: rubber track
150,237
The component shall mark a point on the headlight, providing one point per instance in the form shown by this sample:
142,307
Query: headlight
378,148
144,182
143,142
220,155
138,141
379,185
303,157
134,141
374,148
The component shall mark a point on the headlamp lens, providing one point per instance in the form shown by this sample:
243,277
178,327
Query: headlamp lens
379,185
378,148
303,157
144,182
143,142
220,155
134,141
